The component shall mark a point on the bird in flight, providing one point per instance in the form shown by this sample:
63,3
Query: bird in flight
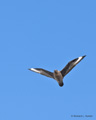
59,75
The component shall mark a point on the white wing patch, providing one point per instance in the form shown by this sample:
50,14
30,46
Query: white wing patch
78,60
38,71
43,72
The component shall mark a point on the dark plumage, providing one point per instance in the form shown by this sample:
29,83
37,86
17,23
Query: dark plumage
59,75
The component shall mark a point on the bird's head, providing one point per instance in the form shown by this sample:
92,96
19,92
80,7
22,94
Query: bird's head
61,84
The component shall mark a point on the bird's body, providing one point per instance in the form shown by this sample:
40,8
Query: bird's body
59,75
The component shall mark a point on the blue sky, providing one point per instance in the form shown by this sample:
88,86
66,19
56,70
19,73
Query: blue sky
47,34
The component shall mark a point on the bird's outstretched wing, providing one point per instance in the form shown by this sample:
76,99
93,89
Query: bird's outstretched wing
43,72
71,65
